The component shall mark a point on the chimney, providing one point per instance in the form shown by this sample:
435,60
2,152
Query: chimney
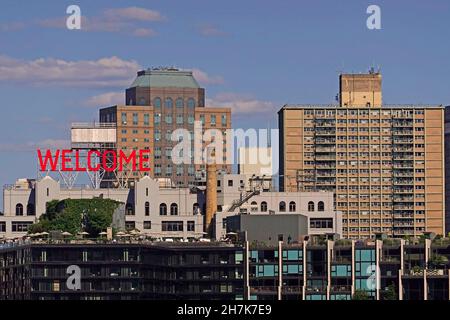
211,188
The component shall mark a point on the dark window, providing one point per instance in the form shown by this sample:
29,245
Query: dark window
321,223
163,209
172,226
196,208
263,206
282,206
30,209
20,226
179,103
280,237
130,225
2,226
191,226
147,224
230,183
169,103
191,103
147,208
173,209
129,209
320,206
19,209
157,102
310,206
292,206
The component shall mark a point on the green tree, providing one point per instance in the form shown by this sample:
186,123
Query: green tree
390,293
67,215
360,295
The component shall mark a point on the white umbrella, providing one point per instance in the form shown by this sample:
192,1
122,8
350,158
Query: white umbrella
65,233
84,233
44,233
103,233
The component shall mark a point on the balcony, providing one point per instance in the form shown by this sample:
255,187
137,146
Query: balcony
341,288
325,149
291,289
265,289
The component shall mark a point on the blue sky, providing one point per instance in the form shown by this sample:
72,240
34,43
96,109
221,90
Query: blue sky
252,55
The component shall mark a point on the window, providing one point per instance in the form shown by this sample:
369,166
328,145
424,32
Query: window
135,119
282,206
2,226
173,209
157,135
19,209
129,209
191,103
224,120
213,120
146,119
191,119
179,103
147,208
130,225
163,209
202,119
310,206
157,153
168,118
172,226
124,118
147,225
191,226
263,206
230,183
320,206
169,103
157,102
292,206
157,118
169,135
180,119
321,223
21,226
30,209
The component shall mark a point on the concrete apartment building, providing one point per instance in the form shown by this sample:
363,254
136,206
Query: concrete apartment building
385,163
447,169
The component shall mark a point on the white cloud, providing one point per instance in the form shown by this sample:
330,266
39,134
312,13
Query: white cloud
204,78
133,13
119,20
104,72
12,26
32,146
106,99
210,30
241,104
144,32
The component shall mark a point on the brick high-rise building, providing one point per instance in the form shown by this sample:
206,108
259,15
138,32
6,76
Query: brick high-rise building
159,102
385,163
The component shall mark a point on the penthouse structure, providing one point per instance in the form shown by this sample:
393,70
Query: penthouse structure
385,163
